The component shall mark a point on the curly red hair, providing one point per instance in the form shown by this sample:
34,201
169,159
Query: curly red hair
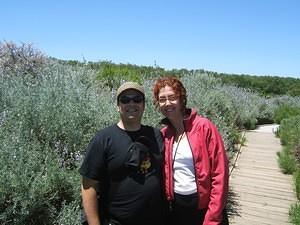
175,84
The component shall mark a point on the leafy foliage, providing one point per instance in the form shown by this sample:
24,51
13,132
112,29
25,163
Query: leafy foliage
286,161
289,131
50,109
22,59
33,186
285,111
113,75
45,125
296,176
294,214
289,134
266,85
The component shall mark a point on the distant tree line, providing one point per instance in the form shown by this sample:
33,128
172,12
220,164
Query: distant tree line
266,85
113,74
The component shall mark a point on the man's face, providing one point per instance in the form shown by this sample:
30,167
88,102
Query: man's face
131,106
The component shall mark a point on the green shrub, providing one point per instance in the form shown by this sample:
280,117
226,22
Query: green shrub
286,161
297,153
112,75
296,176
289,131
45,126
286,111
69,214
20,60
294,214
33,185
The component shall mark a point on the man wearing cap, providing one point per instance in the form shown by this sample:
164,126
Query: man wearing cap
121,172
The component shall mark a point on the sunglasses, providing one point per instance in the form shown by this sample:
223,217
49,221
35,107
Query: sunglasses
125,99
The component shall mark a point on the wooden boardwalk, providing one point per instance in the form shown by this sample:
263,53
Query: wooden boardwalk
260,193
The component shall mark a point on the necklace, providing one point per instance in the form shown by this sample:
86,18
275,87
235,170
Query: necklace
178,142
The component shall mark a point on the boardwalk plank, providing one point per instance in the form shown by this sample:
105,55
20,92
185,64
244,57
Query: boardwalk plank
266,192
263,194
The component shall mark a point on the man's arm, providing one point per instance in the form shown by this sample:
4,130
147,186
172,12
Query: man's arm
89,189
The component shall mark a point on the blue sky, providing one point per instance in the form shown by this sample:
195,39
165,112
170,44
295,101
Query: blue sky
256,37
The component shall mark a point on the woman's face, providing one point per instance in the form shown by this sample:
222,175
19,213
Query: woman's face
169,103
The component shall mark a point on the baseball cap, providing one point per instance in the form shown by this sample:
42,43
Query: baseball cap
130,85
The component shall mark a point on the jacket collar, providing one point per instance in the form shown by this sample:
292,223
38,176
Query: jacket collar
190,115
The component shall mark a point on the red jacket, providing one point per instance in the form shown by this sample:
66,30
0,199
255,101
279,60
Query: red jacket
210,163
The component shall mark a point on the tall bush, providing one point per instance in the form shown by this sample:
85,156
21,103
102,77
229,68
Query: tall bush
20,59
289,131
45,126
285,111
33,185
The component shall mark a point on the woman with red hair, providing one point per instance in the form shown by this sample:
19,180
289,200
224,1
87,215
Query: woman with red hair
195,161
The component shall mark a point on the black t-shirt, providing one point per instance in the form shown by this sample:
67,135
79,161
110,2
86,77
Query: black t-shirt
131,182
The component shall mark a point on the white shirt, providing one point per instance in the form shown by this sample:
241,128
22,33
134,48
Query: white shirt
183,168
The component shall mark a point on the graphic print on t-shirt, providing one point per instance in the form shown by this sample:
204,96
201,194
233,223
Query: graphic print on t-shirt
145,164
